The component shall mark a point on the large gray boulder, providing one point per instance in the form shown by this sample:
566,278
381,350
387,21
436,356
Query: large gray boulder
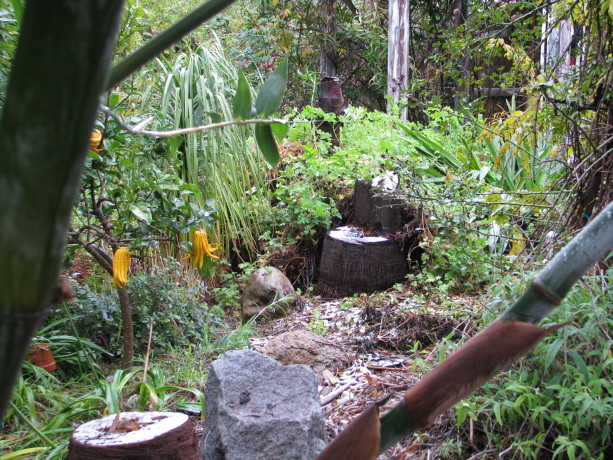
258,409
266,286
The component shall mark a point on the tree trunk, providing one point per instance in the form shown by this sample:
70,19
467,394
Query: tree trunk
352,263
327,58
136,435
380,212
398,53
127,327
59,72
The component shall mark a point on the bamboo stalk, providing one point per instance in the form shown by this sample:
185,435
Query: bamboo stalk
50,107
165,39
511,336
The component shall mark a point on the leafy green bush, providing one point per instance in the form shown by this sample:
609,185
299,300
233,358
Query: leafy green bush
178,315
558,402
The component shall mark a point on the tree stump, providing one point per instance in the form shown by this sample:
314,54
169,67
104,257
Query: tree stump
136,435
352,262
373,252
375,209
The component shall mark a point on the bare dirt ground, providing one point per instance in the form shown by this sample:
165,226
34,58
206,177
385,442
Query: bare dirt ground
389,339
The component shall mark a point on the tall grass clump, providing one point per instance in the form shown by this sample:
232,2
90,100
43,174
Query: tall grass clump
198,88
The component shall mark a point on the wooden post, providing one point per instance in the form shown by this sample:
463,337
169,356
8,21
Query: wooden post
327,58
398,53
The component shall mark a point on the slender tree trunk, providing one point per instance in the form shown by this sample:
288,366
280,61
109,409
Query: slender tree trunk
60,69
327,59
127,327
106,262
399,24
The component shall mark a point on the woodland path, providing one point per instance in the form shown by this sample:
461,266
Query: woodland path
391,337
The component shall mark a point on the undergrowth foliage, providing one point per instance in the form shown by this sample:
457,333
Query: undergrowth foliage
178,315
558,402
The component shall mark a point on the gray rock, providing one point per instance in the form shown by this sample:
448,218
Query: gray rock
258,409
266,286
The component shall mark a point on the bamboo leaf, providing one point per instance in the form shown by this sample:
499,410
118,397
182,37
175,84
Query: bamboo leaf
242,98
268,145
554,348
361,439
270,96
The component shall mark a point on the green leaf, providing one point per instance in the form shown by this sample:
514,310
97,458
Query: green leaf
271,94
267,144
208,268
22,453
553,350
113,100
142,212
242,99
280,130
215,117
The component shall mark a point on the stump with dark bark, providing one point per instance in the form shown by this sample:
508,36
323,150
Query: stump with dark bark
377,210
353,263
136,435
372,253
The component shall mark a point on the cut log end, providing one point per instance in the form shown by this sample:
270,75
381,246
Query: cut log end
133,435
352,264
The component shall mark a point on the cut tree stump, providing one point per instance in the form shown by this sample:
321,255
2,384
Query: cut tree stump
136,435
373,252
374,209
352,263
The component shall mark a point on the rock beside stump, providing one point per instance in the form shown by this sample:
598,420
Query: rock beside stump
304,347
266,286
258,409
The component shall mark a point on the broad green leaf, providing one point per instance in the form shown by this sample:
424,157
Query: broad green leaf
215,117
554,348
267,144
175,143
242,99
271,94
208,268
142,212
113,100
279,130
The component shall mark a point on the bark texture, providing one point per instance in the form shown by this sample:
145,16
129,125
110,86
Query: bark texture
398,52
349,266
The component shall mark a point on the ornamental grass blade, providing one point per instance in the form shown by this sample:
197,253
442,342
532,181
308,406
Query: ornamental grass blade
242,98
268,145
270,96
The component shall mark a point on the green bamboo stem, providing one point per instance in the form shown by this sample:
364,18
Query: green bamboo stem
553,282
62,58
165,39
546,291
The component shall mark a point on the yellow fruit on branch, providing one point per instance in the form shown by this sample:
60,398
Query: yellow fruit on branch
200,248
121,265
95,140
